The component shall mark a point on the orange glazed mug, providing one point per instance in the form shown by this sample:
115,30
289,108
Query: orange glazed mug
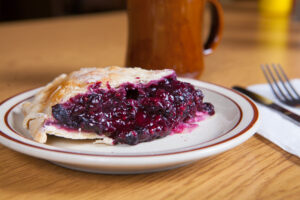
168,34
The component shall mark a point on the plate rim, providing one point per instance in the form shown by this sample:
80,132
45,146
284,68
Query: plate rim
249,125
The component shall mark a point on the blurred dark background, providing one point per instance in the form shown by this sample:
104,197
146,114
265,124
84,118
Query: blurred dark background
27,9
11,10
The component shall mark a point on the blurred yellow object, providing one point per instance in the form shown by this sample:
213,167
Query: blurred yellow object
275,8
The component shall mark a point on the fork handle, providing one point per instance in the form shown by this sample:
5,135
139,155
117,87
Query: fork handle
286,112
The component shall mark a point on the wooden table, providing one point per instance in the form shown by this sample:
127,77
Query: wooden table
33,52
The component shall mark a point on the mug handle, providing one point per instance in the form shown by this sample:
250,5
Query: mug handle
216,27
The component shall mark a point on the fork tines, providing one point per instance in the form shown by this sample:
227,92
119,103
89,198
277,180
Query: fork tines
284,91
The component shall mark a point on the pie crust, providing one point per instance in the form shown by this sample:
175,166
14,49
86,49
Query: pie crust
38,112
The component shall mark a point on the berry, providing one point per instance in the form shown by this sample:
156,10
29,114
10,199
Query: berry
131,113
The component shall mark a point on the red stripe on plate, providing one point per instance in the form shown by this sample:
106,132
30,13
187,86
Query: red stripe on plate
253,121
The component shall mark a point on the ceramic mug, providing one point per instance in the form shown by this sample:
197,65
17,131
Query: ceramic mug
168,34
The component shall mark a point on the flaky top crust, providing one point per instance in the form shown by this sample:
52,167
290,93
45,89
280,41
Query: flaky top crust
77,82
64,87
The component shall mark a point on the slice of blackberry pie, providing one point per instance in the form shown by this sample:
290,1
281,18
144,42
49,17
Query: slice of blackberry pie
114,105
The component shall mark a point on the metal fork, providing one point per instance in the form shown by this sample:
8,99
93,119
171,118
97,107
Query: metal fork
284,91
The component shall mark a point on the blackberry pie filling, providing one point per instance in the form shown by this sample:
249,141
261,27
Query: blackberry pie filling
114,105
133,112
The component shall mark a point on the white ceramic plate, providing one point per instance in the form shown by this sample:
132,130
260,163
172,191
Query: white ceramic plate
234,122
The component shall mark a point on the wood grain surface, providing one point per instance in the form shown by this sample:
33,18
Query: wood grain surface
32,53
